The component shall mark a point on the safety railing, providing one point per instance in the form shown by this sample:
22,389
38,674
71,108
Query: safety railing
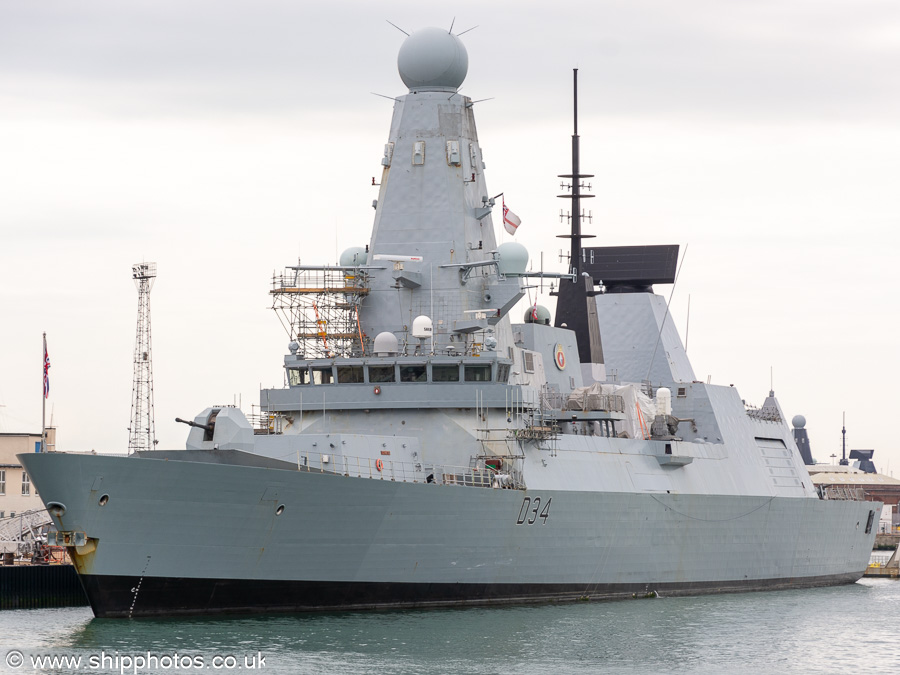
15,528
554,400
880,558
265,423
845,493
507,476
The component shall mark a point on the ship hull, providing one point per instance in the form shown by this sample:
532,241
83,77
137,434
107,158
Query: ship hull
178,537
110,596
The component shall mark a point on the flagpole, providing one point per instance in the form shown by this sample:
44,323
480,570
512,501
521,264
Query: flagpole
44,398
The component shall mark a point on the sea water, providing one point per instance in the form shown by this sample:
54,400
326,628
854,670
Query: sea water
845,629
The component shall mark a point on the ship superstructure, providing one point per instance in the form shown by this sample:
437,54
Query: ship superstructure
427,450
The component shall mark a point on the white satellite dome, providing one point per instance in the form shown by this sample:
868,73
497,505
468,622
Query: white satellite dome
354,257
799,421
512,258
385,344
433,59
422,327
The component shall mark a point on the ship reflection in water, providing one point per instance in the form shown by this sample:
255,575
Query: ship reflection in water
824,630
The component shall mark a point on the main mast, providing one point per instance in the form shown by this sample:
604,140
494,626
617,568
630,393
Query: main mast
575,306
576,214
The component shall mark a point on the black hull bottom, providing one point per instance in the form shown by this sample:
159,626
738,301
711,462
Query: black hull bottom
125,597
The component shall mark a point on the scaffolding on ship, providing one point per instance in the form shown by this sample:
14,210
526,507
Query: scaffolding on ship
319,309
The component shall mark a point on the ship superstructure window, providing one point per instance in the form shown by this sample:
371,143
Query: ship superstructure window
297,376
503,373
413,373
2,481
381,374
322,376
528,361
350,374
480,373
26,484
445,373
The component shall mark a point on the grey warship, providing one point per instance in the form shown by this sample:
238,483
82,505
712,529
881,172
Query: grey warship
426,450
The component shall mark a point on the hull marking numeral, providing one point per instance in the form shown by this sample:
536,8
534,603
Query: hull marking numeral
531,511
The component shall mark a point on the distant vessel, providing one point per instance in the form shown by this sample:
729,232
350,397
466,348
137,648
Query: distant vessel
426,451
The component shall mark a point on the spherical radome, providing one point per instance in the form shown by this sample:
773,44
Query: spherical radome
799,421
386,344
354,257
537,314
512,258
433,59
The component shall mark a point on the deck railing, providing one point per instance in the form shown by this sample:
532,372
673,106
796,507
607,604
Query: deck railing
554,400
480,475
845,493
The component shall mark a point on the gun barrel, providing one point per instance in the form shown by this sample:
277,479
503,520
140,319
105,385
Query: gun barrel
206,427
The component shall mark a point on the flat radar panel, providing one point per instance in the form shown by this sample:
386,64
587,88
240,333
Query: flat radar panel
637,266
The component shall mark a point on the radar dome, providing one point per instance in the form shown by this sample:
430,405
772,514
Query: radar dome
422,327
354,257
512,258
433,59
386,344
799,421
537,314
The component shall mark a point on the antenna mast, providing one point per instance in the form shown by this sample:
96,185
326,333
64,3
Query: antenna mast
575,306
576,215
142,430
844,461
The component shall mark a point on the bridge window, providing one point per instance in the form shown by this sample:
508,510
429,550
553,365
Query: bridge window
528,359
415,373
445,373
503,373
322,376
297,376
381,374
350,374
478,373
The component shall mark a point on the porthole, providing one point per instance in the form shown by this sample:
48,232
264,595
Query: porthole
279,510
103,500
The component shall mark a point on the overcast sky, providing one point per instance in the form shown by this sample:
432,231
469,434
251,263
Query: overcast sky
224,140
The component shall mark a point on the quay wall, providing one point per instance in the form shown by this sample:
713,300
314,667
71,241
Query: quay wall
38,586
